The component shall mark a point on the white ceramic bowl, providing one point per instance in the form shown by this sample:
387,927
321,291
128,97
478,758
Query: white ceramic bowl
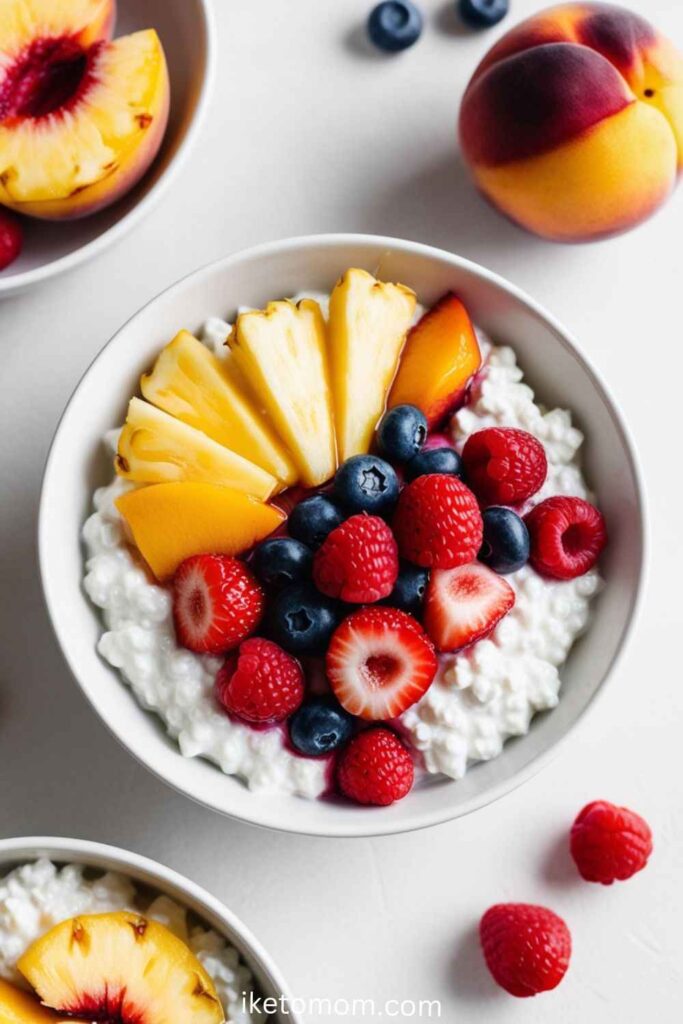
14,852
556,368
187,33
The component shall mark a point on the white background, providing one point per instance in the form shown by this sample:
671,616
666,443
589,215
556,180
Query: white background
309,131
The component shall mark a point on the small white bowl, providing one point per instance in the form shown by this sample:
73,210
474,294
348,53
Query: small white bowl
555,367
150,873
187,33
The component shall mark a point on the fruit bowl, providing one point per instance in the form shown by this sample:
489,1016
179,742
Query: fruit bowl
557,371
186,33
155,878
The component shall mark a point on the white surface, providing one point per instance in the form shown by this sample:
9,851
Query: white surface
310,132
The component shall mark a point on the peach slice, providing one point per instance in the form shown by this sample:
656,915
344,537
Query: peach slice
17,1007
440,358
171,522
120,967
81,118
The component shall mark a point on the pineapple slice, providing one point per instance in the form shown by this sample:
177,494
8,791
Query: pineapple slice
368,325
172,522
282,352
17,1007
156,448
190,383
123,967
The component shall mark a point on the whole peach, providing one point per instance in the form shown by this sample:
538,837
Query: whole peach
572,124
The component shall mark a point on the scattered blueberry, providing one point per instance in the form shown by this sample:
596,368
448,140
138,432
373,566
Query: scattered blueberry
281,561
395,25
434,460
302,621
320,726
401,433
365,483
409,589
506,540
313,518
483,13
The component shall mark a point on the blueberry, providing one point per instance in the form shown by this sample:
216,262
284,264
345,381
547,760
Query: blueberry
409,589
483,13
320,726
506,540
365,483
434,460
401,433
313,518
281,561
302,621
395,25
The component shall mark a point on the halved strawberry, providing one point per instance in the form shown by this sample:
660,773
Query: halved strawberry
380,662
462,605
217,603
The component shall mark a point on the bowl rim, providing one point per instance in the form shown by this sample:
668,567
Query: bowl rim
18,282
148,871
376,825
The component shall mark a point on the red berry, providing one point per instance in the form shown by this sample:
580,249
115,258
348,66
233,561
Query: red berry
609,843
379,662
11,238
463,605
358,562
526,948
262,683
217,603
504,466
438,523
567,537
375,768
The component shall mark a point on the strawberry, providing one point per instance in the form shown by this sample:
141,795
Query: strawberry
379,662
260,682
463,605
376,768
217,603
504,466
438,523
358,562
526,948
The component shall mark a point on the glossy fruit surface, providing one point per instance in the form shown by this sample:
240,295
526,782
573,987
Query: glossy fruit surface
260,683
376,768
319,727
217,603
302,620
483,13
506,545
434,460
527,948
312,519
402,433
366,483
394,25
281,561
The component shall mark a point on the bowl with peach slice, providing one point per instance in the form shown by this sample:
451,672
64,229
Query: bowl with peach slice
96,114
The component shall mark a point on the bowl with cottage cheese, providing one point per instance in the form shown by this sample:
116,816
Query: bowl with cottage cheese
429,622
185,942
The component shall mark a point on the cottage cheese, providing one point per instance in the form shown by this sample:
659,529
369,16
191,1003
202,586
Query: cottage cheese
479,698
37,896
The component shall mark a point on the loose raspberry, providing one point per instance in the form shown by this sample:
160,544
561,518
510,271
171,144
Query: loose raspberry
526,948
375,768
358,562
262,683
11,238
504,466
609,843
217,603
567,537
438,523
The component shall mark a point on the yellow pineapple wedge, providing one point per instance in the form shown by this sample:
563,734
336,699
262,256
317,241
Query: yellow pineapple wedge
368,325
17,1007
120,966
172,522
157,448
282,352
190,383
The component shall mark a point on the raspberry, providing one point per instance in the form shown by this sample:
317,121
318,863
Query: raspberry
526,948
438,523
504,466
375,768
217,603
261,683
609,843
358,562
11,238
567,537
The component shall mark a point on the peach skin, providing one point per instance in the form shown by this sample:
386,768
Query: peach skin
572,125
81,117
